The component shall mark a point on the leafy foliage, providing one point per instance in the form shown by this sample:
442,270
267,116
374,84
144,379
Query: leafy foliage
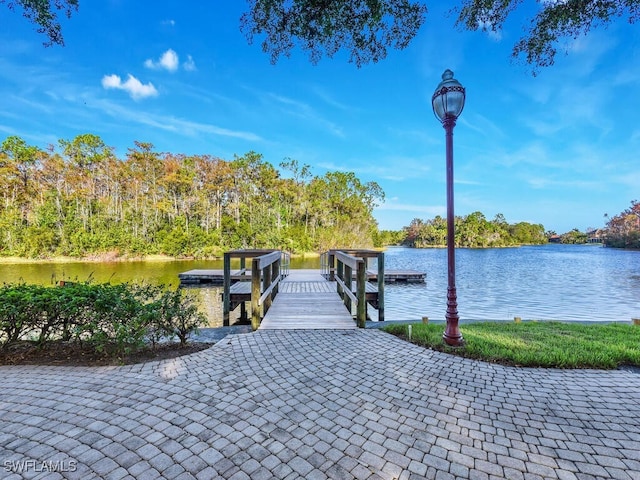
113,319
474,231
574,236
623,230
43,13
83,201
366,28
554,21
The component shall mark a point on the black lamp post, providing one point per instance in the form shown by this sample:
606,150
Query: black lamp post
448,102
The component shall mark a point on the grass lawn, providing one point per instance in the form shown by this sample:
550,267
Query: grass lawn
536,344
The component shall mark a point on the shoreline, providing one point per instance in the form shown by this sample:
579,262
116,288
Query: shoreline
111,258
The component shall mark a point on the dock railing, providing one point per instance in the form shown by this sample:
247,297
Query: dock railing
326,268
329,263
346,265
268,267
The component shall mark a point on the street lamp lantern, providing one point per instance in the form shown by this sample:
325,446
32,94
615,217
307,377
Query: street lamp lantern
448,103
448,99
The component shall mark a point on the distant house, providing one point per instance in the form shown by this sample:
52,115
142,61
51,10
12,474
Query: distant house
596,235
554,239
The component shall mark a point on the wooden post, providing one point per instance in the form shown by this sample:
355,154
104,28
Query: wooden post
226,292
348,281
255,293
341,277
361,282
331,263
266,283
275,271
381,287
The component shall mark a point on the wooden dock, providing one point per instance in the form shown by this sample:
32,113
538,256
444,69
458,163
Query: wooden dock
209,277
216,277
280,298
307,300
398,276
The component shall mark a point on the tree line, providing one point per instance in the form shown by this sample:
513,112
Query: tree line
78,199
472,231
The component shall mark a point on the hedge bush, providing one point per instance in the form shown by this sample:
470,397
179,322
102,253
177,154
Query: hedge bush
115,319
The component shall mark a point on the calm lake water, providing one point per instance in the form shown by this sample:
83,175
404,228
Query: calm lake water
561,282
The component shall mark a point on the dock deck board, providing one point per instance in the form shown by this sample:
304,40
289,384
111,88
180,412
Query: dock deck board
306,300
309,310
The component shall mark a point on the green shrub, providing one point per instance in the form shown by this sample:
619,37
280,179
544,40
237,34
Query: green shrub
176,314
114,319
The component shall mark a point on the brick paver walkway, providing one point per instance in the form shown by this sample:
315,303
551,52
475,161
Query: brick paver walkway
314,405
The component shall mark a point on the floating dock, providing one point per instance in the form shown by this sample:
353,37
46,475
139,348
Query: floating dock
216,277
210,277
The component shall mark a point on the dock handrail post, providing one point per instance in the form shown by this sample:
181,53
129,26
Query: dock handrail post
285,260
341,277
266,283
226,292
324,270
255,293
381,287
331,264
275,273
361,281
348,280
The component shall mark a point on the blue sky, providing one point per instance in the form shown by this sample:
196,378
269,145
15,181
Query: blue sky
560,148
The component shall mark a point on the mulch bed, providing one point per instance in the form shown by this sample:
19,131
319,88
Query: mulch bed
77,354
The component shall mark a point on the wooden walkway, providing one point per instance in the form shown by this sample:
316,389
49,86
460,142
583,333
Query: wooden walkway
306,300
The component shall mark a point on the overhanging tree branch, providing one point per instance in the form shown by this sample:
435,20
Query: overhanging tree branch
556,20
44,13
365,28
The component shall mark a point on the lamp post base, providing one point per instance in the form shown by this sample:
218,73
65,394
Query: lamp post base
452,335
453,341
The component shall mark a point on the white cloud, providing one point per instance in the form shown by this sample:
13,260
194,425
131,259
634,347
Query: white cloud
134,87
170,123
189,65
169,61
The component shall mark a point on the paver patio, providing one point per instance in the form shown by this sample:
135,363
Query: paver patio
318,404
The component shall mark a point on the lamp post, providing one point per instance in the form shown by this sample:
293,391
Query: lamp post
448,102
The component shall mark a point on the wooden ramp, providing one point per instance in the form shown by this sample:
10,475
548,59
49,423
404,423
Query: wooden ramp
307,301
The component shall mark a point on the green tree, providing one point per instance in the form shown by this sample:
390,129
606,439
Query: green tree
366,28
623,230
554,21
44,14
473,231
575,236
